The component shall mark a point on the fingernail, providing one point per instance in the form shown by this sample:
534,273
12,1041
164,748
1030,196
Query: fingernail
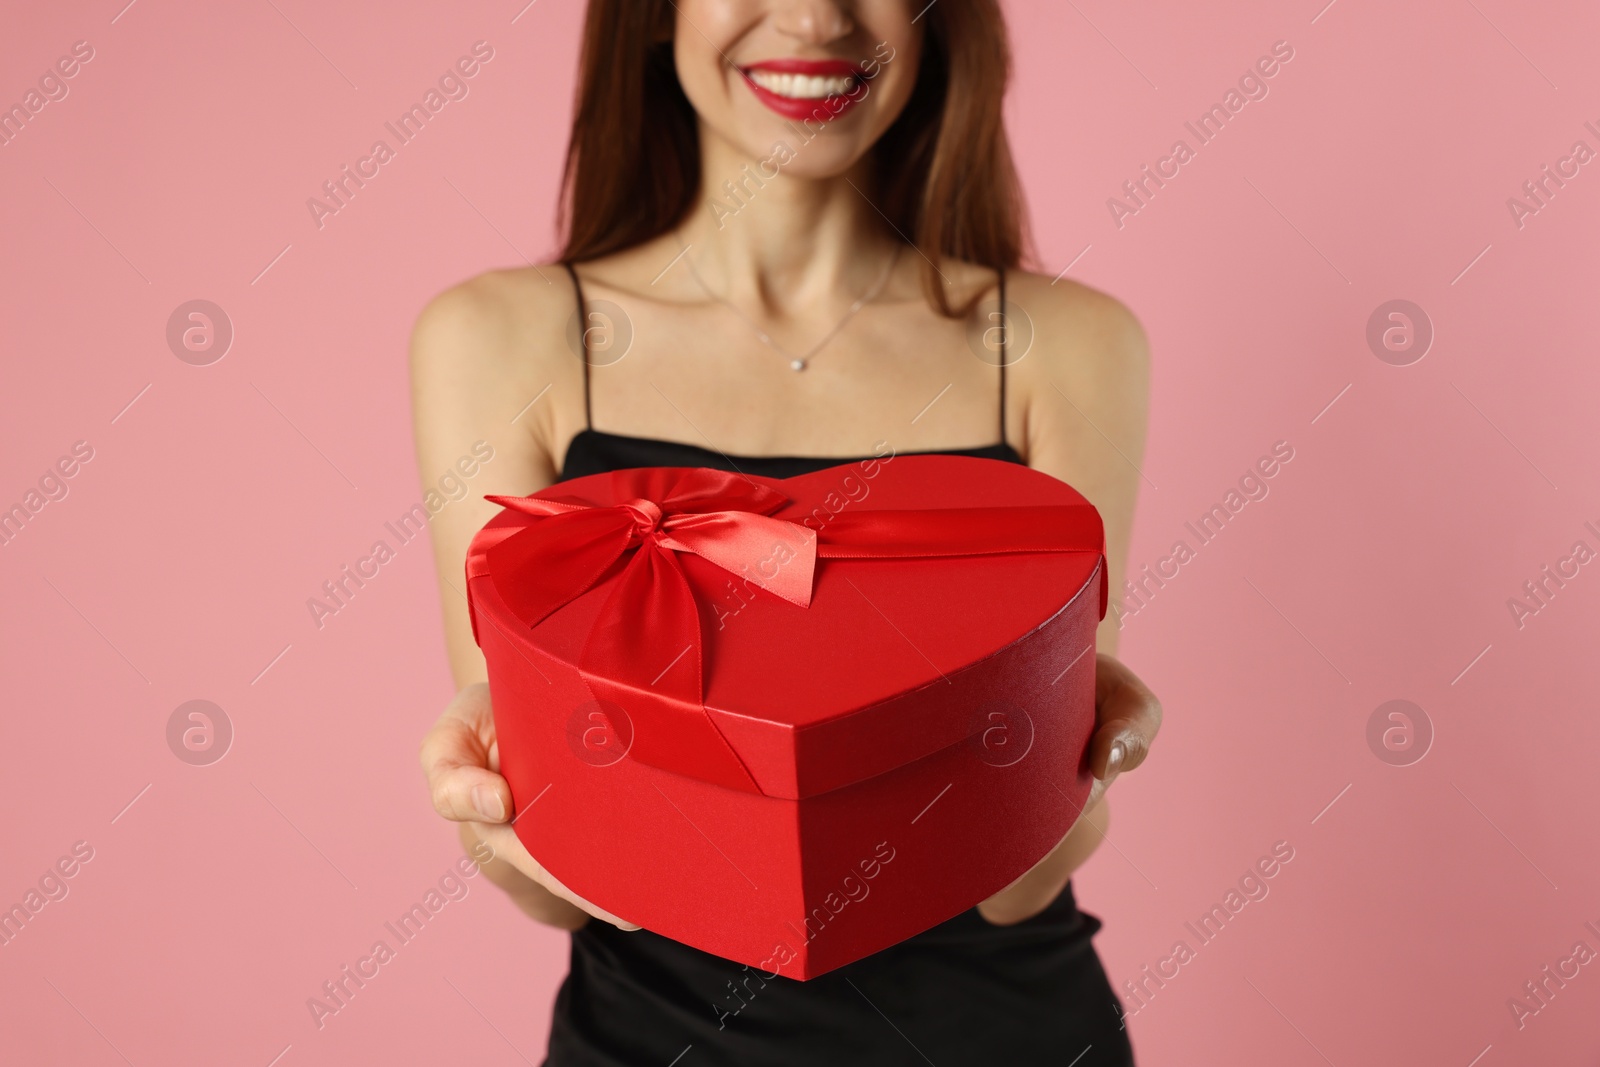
1119,751
488,803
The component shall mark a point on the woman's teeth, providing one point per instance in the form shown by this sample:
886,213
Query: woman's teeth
800,86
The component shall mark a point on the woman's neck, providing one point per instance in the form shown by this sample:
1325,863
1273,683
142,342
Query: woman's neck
764,237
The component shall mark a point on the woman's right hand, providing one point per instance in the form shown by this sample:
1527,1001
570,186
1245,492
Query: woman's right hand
461,758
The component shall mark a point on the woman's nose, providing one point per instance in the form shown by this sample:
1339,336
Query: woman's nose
814,21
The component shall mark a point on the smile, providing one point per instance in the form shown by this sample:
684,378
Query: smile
801,89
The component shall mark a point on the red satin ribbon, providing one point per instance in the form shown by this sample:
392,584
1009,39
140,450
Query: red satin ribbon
643,651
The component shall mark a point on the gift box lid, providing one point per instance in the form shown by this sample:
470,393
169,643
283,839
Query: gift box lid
892,658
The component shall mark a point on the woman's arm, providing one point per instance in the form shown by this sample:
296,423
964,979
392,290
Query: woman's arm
1083,389
472,359
479,354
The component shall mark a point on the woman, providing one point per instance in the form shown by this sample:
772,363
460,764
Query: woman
792,234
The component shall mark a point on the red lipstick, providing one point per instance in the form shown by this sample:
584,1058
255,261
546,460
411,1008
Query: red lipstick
817,108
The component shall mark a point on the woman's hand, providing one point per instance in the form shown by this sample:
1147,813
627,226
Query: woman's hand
1127,717
461,758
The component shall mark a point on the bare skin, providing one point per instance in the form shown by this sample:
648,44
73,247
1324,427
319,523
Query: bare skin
490,362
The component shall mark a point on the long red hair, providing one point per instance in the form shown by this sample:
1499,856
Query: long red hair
944,171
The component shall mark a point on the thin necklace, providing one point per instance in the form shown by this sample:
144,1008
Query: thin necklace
796,363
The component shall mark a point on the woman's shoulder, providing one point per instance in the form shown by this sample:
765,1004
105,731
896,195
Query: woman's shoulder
1068,315
499,312
1076,333
484,349
1067,329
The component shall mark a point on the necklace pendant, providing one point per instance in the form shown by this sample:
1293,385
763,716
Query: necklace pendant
797,364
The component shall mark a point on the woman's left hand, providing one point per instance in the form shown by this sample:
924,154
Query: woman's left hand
1127,717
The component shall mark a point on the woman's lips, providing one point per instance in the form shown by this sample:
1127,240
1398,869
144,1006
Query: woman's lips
818,89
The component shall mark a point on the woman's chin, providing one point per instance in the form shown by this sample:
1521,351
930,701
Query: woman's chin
814,152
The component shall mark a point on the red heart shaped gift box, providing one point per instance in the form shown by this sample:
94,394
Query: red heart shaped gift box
792,722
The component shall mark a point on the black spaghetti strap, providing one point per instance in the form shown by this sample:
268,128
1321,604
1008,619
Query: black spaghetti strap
583,341
1005,328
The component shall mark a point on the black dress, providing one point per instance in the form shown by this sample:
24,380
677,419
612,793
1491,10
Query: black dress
966,993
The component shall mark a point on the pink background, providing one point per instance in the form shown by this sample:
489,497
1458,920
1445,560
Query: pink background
221,897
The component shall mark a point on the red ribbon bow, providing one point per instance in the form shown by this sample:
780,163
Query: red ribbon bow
643,652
